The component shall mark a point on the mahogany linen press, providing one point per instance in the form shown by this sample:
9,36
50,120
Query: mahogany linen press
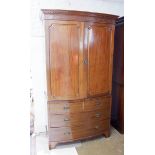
79,60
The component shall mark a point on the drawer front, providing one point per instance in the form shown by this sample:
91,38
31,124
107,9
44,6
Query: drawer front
65,107
97,115
66,120
60,134
78,119
98,125
97,103
72,133
97,128
65,133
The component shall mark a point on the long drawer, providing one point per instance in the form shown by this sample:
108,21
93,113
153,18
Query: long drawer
78,119
71,133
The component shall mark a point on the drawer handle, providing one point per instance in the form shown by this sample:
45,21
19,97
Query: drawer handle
66,119
98,115
67,133
66,108
96,127
85,61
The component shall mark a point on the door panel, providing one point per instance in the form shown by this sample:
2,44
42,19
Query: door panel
65,56
99,58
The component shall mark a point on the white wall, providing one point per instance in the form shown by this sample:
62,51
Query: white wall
38,44
107,6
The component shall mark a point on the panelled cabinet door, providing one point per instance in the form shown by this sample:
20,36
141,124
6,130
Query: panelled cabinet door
64,60
99,48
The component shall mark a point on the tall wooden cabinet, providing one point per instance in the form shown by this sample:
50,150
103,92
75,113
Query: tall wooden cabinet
117,115
79,56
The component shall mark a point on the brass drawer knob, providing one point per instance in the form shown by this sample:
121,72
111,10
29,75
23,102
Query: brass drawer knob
66,108
98,115
85,61
67,133
66,119
96,127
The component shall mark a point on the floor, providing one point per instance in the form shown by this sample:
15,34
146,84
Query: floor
114,145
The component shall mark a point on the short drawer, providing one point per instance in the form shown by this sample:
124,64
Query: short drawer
60,107
97,103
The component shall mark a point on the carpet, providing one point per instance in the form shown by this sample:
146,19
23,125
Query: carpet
114,145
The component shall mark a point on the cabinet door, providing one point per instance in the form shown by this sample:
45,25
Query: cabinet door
99,48
64,60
